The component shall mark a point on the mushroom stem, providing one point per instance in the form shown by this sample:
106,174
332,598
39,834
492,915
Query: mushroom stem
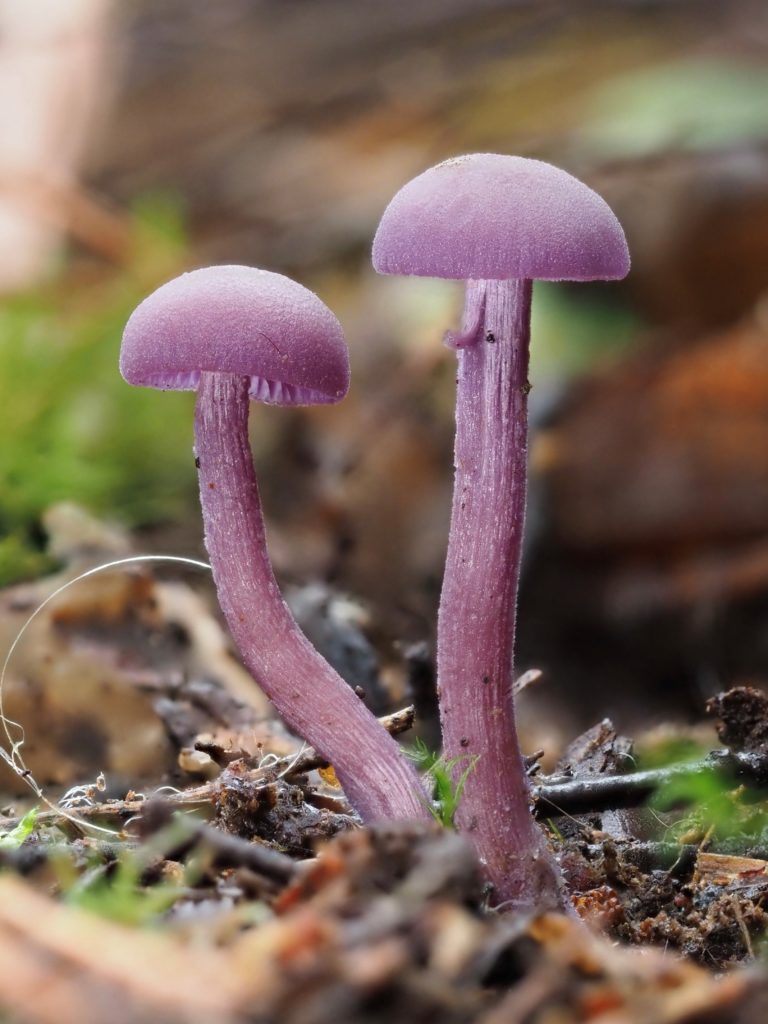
309,695
476,624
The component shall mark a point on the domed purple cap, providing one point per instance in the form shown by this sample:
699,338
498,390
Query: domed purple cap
491,217
243,321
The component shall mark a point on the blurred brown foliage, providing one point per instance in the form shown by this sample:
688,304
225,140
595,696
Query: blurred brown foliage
285,127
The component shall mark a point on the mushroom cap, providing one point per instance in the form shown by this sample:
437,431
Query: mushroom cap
490,217
238,320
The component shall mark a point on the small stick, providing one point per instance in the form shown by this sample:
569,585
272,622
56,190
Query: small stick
308,760
231,851
224,849
200,796
596,792
529,678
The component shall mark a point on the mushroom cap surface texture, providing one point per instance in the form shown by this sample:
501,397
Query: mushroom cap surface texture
491,217
242,321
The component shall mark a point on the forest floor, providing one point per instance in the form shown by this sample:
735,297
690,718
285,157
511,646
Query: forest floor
215,872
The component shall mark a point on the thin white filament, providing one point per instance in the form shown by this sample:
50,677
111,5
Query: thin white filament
12,757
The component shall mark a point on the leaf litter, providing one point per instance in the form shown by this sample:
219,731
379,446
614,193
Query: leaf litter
233,883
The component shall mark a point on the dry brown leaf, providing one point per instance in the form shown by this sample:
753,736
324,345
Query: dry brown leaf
722,869
58,963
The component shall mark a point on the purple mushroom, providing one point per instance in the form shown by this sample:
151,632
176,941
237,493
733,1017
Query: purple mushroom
234,334
497,222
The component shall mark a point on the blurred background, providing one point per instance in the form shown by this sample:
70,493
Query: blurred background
142,138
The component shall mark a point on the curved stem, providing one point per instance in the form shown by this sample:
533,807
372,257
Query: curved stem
309,695
476,624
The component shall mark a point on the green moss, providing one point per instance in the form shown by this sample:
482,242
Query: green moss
119,894
13,840
71,428
709,804
690,105
447,788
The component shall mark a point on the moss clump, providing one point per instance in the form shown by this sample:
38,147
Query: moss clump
71,428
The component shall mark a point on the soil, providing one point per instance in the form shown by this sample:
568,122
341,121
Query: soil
238,885
394,922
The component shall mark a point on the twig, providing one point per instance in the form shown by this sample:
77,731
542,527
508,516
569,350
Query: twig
205,794
32,854
226,850
529,678
597,792
395,724
230,851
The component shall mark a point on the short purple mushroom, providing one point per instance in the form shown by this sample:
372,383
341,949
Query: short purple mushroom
233,334
496,222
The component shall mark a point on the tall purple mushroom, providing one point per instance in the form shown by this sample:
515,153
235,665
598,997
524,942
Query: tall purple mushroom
497,222
234,334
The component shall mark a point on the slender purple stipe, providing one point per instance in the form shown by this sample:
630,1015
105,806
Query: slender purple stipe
497,222
235,334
